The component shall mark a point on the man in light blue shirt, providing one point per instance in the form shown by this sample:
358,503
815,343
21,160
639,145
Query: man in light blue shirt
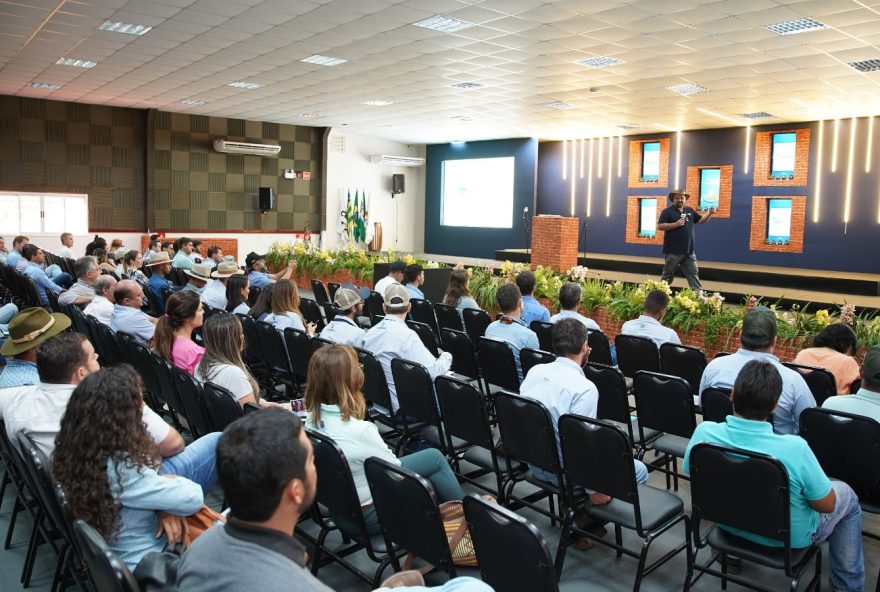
182,259
569,301
344,328
257,274
821,509
415,277
532,310
393,339
14,255
28,330
510,327
758,339
648,324
867,401
127,313
36,258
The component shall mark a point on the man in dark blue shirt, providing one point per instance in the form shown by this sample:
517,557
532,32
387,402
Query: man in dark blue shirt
677,223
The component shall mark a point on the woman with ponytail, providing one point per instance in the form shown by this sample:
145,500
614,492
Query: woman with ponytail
173,337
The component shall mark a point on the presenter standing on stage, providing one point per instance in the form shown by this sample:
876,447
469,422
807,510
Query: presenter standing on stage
677,223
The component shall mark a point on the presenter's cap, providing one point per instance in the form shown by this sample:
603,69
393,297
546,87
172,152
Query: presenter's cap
396,296
871,365
759,324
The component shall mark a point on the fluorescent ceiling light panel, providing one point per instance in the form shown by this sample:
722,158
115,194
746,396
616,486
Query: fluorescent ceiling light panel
558,105
76,63
443,24
377,103
758,115
43,85
598,62
323,60
687,89
865,65
310,116
467,85
192,102
801,25
126,28
629,126
245,85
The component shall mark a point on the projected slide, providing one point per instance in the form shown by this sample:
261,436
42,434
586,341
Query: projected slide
648,218
783,155
710,188
651,161
478,192
779,221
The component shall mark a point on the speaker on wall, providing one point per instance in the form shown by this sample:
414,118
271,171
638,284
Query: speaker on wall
267,199
397,184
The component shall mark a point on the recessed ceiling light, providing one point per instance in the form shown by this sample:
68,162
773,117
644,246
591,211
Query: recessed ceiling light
758,115
443,24
462,118
126,28
310,116
467,85
76,63
598,62
629,126
801,25
558,105
191,102
389,127
687,89
865,65
245,85
43,85
377,103
323,60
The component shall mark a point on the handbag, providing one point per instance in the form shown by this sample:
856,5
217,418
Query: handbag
461,546
201,521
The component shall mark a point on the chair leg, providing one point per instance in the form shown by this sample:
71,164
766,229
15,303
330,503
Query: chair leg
724,571
690,552
6,481
618,538
60,570
563,543
17,506
553,509
675,472
640,570
31,556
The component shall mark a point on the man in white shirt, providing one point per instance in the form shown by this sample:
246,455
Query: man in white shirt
395,276
101,307
648,324
569,302
393,339
344,328
66,249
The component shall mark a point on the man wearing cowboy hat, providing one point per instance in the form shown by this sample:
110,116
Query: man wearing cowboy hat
199,275
257,274
214,294
160,263
29,329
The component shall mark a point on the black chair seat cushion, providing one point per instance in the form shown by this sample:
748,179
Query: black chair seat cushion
429,434
674,445
650,435
658,507
722,540
479,456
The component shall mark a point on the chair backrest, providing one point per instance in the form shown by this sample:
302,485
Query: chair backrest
475,322
426,335
529,357
78,317
108,572
613,400
336,490
253,295
511,552
375,383
497,363
664,403
253,348
330,311
220,406
464,412
415,391
821,382
527,431
272,345
373,305
331,290
423,312
311,313
109,344
37,465
847,446
684,361
318,343
464,357
544,331
191,397
740,489
600,349
636,353
448,317
138,355
168,388
408,510
320,291
299,350
716,404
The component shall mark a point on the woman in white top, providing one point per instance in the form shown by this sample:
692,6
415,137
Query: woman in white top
336,408
285,308
237,291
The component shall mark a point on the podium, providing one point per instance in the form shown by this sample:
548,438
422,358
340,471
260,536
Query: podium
555,242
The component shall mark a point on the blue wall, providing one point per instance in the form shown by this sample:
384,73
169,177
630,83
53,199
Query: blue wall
479,242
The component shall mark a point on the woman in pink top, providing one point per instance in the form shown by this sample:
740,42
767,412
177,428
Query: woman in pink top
833,349
173,337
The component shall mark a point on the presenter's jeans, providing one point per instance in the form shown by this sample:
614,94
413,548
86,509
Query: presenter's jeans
688,264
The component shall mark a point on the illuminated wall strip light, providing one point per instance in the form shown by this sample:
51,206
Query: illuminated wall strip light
582,158
573,176
608,194
677,157
835,143
564,159
590,179
817,198
869,142
746,151
849,172
619,155
601,148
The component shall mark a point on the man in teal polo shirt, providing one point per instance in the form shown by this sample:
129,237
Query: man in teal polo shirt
821,509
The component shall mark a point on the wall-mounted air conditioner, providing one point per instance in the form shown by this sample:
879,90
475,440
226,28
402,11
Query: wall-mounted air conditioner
411,161
246,148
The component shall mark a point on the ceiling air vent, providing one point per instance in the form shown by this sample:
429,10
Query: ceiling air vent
865,65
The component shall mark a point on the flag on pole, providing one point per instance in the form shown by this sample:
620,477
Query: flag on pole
361,223
342,229
349,217
368,227
356,213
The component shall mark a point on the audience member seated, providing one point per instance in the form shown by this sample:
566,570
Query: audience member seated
569,302
262,306
396,273
181,258
36,261
415,277
457,292
867,400
562,388
344,328
511,327
199,276
132,262
3,252
173,337
215,254
105,264
257,274
648,324
27,331
109,469
238,288
161,267
154,247
13,258
214,294
285,308
391,338
7,313
821,509
66,249
101,307
97,243
168,248
127,314
532,310
336,407
196,255
833,349
83,291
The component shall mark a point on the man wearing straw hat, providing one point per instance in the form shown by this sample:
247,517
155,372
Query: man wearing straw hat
27,330
199,276
160,264
214,294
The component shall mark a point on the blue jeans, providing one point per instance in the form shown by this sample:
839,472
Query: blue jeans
460,584
842,528
197,462
59,277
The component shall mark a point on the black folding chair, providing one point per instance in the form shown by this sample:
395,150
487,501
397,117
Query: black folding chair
748,491
108,572
220,406
821,382
275,357
716,404
374,307
320,292
600,349
422,311
685,362
529,357
497,364
614,404
192,398
299,350
331,291
415,394
330,311
544,331
475,322
426,335
311,313
464,356
448,317
636,353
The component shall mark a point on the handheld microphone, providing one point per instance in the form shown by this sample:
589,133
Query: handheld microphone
525,213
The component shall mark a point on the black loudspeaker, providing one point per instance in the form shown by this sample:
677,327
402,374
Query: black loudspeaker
397,184
267,199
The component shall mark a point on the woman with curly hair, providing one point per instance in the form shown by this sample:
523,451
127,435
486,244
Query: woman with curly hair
107,465
285,308
173,337
833,349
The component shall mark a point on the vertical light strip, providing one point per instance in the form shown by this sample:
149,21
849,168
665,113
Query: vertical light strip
849,172
590,179
601,148
619,155
573,176
817,197
746,150
868,144
677,157
582,157
608,194
564,159
835,145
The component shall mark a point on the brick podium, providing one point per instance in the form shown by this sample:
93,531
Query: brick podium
555,242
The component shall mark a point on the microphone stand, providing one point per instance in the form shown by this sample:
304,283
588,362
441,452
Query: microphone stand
527,230
582,231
